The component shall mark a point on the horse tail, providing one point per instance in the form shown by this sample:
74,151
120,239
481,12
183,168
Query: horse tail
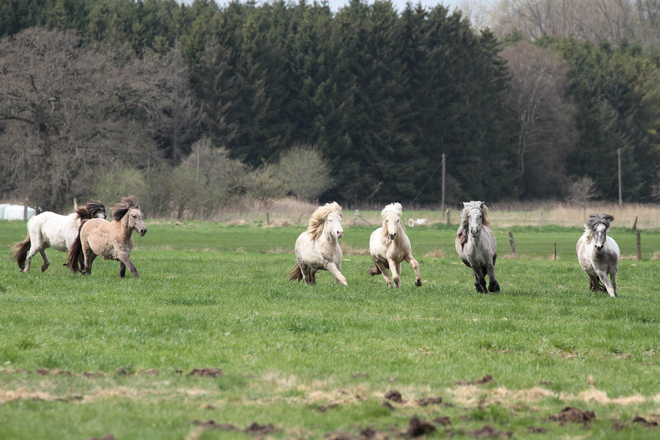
20,250
295,274
76,259
374,270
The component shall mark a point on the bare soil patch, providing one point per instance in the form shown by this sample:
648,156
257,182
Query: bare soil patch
489,432
417,428
573,415
256,428
429,401
442,420
107,436
205,372
643,421
210,424
535,430
394,396
483,381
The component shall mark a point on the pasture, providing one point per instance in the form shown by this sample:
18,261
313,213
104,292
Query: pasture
84,356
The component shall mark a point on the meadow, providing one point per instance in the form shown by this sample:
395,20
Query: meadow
213,335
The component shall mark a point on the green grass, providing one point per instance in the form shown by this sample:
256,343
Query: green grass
216,296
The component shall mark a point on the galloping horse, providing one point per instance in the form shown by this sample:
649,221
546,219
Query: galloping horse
476,245
53,230
599,254
389,246
109,240
318,247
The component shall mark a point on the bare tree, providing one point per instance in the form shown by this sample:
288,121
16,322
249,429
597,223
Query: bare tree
304,172
68,111
538,96
581,191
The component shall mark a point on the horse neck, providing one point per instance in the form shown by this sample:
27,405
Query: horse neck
328,235
124,231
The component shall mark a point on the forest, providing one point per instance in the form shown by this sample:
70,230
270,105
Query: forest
196,106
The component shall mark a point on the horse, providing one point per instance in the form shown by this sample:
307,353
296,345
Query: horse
476,245
109,240
318,247
599,254
389,246
53,230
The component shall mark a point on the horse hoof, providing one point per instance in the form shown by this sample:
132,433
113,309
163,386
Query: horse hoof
495,287
418,283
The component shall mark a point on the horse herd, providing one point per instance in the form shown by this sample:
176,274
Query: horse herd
87,234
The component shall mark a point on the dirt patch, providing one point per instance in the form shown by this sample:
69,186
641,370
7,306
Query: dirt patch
442,420
429,401
107,436
121,371
92,375
257,429
535,430
417,428
594,395
206,372
151,372
372,434
338,435
324,408
356,375
388,405
489,432
573,415
483,381
647,423
210,424
277,251
616,426
394,396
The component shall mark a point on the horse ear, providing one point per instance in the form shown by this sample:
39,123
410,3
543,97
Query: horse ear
465,204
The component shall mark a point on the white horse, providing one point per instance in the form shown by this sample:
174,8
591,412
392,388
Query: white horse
389,246
318,247
52,230
476,245
599,254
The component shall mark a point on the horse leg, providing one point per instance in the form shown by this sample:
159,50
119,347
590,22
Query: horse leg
89,259
383,271
479,279
594,283
395,268
415,265
35,246
124,258
334,270
493,285
46,260
613,276
312,276
122,270
602,275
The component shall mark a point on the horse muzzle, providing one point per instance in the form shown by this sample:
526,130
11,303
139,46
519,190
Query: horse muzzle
392,236
142,232
340,234
474,232
599,247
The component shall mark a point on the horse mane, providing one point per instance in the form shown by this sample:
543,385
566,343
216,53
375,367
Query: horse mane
462,233
317,220
90,210
392,208
126,204
592,221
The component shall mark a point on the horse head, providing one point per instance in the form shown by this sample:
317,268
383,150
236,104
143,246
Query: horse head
332,225
391,216
476,213
136,221
599,224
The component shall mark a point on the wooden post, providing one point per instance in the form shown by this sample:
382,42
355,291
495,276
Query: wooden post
357,215
444,162
639,245
448,217
540,219
618,154
555,251
267,219
635,224
513,245
25,210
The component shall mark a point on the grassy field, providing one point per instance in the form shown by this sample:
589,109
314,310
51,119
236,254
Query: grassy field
84,356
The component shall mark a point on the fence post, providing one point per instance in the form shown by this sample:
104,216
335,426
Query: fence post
448,217
639,245
513,245
635,224
555,251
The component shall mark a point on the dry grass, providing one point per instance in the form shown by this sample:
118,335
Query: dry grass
656,256
350,250
436,253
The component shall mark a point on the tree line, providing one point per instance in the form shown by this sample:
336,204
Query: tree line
94,88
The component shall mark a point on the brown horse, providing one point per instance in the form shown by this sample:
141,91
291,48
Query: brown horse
109,240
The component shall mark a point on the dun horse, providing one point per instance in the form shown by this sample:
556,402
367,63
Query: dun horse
318,247
109,240
476,245
53,230
599,254
389,246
